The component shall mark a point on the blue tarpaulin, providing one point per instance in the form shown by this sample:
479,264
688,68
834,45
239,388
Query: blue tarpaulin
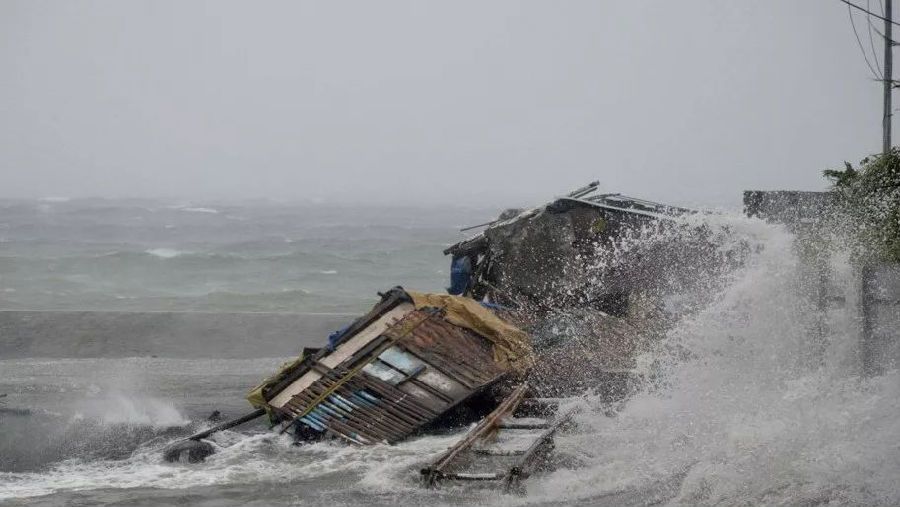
460,275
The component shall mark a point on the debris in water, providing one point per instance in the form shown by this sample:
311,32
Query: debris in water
414,360
188,451
504,448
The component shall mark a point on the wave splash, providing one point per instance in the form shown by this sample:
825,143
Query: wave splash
745,404
742,404
119,408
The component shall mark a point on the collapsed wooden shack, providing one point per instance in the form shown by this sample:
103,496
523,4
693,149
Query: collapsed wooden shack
414,360
593,278
552,255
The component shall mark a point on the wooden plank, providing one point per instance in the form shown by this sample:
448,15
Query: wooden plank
388,301
395,415
499,452
524,423
372,426
473,477
524,468
437,471
396,332
349,347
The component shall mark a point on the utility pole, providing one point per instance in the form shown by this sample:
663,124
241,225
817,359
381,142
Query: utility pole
888,79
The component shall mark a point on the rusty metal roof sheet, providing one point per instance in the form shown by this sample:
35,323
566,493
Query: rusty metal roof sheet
418,368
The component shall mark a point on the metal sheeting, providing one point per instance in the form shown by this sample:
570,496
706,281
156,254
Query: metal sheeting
404,378
364,410
457,352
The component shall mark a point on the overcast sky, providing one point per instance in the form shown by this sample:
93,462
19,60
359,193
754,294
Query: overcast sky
476,102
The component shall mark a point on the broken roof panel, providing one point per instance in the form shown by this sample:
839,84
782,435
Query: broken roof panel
396,369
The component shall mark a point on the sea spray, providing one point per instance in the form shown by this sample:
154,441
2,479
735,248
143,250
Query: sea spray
738,416
733,412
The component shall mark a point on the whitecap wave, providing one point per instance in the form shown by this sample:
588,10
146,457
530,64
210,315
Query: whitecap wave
199,210
164,253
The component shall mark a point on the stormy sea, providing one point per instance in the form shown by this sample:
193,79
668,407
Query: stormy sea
126,323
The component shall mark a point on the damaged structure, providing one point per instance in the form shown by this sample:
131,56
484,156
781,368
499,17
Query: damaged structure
552,255
543,303
593,278
503,448
408,363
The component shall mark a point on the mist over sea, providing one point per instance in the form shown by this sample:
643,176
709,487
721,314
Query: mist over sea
740,415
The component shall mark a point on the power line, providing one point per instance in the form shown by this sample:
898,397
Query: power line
886,75
851,4
891,41
861,48
872,43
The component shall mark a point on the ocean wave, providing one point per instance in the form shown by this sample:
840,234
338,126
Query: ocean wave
196,209
304,256
165,253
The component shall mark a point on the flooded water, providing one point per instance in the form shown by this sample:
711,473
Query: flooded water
744,405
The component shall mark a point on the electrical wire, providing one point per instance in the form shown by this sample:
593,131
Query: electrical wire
861,48
880,34
851,4
872,43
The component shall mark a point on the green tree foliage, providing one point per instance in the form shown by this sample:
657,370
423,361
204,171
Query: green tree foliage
871,195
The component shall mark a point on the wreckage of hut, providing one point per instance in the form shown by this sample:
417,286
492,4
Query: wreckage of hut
505,447
593,278
553,255
413,361
536,311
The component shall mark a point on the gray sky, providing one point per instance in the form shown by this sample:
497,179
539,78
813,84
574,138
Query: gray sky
687,101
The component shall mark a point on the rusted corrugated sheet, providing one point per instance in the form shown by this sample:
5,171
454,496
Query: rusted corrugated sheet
457,352
414,371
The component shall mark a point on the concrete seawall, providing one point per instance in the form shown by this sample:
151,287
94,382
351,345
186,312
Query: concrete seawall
56,334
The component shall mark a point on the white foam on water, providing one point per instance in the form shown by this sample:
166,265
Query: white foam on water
240,459
199,210
164,253
144,469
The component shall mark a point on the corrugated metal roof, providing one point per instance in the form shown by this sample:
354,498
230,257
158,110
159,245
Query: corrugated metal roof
406,377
